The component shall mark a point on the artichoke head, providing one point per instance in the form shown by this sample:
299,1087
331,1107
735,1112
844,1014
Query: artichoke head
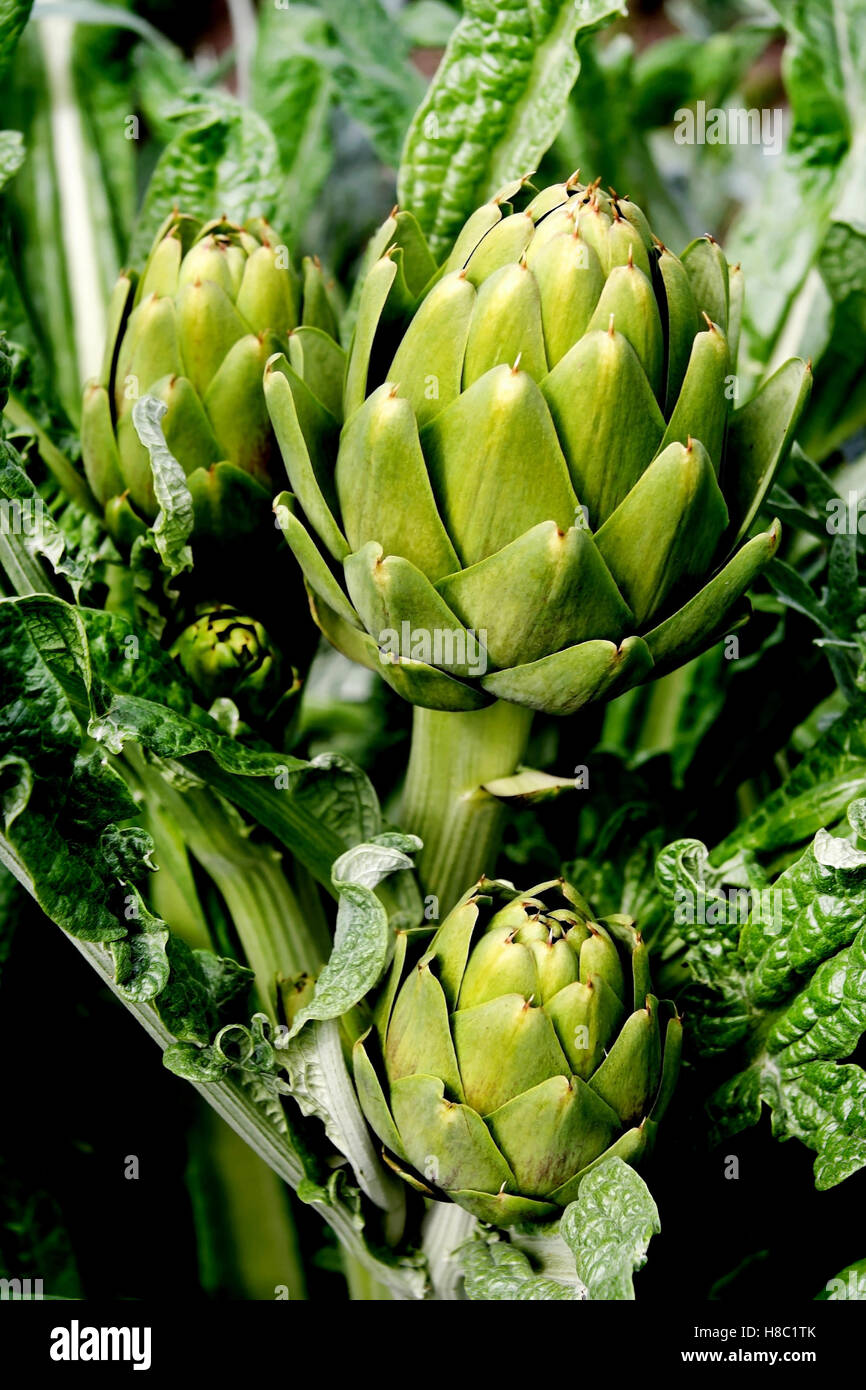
531,482
520,1049
228,655
195,329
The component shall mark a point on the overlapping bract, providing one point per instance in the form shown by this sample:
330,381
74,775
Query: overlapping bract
522,1047
213,303
531,446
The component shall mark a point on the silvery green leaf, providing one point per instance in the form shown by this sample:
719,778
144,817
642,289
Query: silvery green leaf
174,523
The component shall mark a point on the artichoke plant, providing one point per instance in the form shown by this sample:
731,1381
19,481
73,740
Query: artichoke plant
522,1047
527,482
195,329
230,655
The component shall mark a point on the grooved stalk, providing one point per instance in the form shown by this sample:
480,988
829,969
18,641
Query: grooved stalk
452,757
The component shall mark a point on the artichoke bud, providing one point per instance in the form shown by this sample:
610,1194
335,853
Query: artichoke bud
535,449
213,303
503,1085
229,656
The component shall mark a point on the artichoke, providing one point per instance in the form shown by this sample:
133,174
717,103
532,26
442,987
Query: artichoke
228,655
527,482
195,330
522,1048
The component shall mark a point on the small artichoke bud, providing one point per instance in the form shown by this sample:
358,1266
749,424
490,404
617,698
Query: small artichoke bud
229,655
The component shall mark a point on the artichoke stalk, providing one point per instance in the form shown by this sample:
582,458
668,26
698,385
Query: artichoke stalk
525,485
195,329
523,1047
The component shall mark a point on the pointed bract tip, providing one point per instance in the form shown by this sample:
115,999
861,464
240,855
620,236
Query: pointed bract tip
395,209
689,444
610,325
394,389
573,181
630,262
516,367
708,321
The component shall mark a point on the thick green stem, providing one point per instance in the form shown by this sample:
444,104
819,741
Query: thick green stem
279,936
452,757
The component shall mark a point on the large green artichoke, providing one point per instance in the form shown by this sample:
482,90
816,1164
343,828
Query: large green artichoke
529,483
521,1048
195,330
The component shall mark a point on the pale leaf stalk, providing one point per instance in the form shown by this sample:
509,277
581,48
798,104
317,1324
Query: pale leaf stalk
444,801
80,239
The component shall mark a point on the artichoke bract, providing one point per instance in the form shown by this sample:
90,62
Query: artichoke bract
530,483
212,304
230,655
524,1046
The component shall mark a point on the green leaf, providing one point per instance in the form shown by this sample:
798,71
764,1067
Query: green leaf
174,522
14,14
779,973
371,70
491,111
227,160
609,1229
494,1270
294,94
363,938
829,776
12,154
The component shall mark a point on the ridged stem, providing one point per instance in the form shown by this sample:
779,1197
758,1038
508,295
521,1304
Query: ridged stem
363,1286
452,757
